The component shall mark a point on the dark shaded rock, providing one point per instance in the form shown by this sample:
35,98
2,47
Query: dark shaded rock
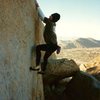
82,87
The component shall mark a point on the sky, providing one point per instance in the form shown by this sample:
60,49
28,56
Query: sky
79,18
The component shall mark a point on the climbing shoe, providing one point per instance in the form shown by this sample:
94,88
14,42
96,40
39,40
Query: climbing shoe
35,69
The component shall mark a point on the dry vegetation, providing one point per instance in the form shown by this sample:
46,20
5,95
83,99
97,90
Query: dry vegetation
80,55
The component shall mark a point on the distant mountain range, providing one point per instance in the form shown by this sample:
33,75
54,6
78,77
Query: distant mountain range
80,43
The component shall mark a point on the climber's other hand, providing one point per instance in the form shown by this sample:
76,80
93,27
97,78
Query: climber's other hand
58,50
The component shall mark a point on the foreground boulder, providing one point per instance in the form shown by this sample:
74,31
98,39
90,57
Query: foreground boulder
58,85
59,69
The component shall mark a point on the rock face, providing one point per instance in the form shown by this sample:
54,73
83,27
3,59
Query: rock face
18,25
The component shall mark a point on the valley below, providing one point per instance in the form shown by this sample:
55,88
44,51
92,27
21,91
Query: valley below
79,55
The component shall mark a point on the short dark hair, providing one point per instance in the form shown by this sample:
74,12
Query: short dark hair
55,17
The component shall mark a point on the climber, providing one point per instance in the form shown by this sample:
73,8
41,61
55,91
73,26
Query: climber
50,38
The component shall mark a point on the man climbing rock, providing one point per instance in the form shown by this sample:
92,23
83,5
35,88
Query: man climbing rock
50,39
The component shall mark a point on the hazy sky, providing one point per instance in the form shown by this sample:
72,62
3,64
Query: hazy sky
79,18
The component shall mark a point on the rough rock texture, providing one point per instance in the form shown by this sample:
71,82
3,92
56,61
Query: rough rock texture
58,69
93,67
18,22
57,76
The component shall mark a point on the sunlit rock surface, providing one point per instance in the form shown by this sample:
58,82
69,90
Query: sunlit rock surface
19,31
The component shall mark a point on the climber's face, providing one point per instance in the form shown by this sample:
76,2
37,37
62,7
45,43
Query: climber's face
50,17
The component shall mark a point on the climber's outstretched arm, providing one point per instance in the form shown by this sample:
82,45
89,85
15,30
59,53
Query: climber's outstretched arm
40,13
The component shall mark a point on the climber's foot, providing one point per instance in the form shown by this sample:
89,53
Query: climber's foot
35,69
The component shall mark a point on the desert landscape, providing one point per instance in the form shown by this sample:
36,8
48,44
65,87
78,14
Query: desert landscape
80,55
81,50
85,52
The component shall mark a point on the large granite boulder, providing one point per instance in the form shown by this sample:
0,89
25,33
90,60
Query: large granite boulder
58,69
63,80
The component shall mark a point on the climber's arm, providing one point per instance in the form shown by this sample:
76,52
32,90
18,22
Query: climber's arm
40,13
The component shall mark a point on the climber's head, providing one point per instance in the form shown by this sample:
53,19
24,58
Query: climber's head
54,17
